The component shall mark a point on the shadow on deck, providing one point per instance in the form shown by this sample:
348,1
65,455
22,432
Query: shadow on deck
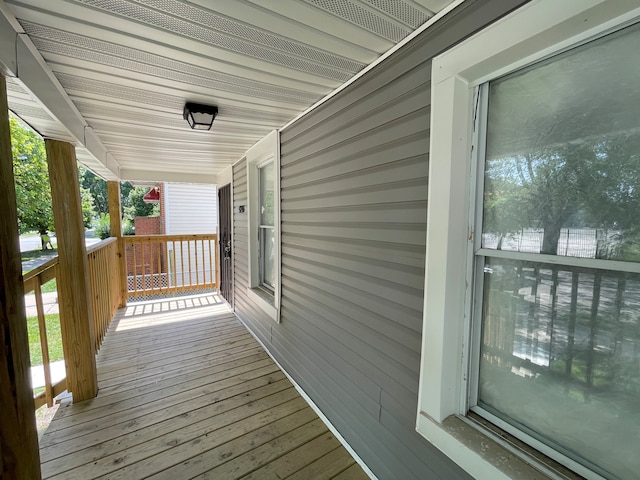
187,392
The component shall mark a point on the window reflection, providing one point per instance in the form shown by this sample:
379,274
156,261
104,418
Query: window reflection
562,162
560,355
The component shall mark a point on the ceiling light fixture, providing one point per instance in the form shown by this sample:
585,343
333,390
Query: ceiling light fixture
199,117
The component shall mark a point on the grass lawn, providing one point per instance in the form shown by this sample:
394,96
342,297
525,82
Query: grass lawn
31,254
50,286
54,336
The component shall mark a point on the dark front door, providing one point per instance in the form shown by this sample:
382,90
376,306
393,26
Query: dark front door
226,265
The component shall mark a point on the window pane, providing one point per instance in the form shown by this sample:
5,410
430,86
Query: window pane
267,182
267,254
560,359
562,173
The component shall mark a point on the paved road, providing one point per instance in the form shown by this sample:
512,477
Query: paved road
32,242
29,243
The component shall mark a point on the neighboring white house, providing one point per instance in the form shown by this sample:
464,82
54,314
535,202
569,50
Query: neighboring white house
190,208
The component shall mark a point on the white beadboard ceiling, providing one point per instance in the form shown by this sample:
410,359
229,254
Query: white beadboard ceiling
112,76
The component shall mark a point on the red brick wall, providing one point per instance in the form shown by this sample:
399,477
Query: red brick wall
150,258
147,225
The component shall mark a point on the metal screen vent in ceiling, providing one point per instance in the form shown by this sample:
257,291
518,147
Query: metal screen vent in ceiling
363,17
23,110
238,29
402,11
259,90
73,83
14,86
222,40
77,46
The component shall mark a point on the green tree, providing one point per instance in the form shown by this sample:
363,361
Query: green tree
133,204
33,190
97,188
88,211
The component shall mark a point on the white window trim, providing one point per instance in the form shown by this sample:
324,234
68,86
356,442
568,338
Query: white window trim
261,153
533,32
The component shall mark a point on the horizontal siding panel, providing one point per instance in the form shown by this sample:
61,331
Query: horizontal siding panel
244,305
390,106
392,292
344,410
390,74
411,213
399,171
411,444
402,233
395,314
393,358
403,316
372,136
399,408
399,192
363,387
326,166
412,277
409,255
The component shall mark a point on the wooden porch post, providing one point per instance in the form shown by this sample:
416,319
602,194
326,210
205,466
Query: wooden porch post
115,216
19,455
73,281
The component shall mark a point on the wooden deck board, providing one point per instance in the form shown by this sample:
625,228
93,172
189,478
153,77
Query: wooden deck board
186,392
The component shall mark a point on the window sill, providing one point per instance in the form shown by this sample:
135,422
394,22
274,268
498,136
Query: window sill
482,453
265,301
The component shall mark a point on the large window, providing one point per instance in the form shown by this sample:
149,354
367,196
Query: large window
266,236
263,187
531,334
557,272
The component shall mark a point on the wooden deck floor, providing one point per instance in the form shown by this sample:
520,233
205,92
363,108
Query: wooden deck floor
186,392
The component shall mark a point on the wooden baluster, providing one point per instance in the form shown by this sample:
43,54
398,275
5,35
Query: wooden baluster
175,266
104,288
159,276
44,343
211,271
189,260
135,269
182,261
195,248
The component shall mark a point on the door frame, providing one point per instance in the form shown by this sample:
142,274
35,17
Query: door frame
231,300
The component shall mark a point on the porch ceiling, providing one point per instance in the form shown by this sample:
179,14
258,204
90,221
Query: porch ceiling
112,76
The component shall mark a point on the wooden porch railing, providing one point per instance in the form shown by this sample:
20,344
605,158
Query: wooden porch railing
169,264
104,274
154,264
103,269
33,282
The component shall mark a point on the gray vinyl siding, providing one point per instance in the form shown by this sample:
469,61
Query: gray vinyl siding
353,211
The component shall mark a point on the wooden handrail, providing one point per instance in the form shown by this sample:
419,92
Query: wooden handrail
169,264
46,272
100,245
103,270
